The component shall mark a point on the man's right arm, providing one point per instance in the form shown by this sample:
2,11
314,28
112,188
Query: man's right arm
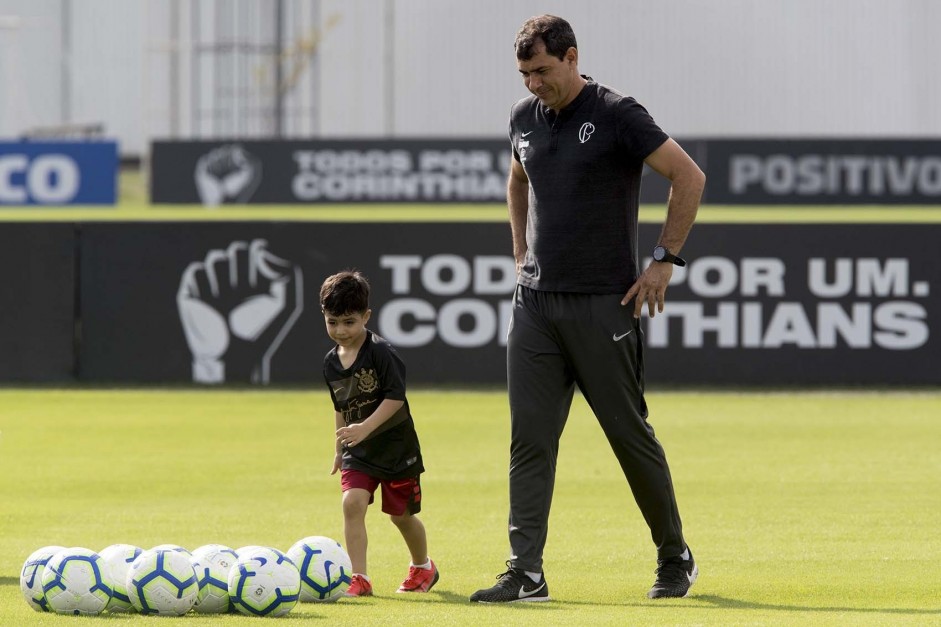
517,200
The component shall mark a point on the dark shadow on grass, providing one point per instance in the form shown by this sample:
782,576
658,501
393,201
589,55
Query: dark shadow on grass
735,604
9,581
447,596
711,601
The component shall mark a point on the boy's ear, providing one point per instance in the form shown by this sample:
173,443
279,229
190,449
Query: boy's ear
367,315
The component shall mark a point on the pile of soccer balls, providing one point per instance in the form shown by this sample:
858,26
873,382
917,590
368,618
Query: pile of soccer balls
168,580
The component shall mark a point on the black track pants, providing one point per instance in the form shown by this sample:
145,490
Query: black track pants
558,340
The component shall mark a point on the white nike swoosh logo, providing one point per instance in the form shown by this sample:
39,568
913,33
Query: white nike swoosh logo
528,593
617,337
525,134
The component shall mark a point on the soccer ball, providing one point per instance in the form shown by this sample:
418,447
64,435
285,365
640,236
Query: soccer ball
171,547
76,581
242,550
31,577
162,582
213,563
119,558
325,568
264,582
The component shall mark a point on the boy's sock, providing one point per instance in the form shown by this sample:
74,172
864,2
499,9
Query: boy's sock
425,566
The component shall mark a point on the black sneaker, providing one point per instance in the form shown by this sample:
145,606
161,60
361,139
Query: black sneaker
513,586
675,576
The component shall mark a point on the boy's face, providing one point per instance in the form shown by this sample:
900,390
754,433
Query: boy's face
346,329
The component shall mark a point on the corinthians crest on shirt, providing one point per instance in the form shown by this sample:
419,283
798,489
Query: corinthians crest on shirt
366,380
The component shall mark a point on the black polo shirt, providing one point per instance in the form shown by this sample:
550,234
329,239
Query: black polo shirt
584,167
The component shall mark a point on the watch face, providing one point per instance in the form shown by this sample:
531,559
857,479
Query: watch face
659,253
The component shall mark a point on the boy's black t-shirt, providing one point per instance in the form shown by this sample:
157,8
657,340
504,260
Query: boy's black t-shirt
391,451
584,167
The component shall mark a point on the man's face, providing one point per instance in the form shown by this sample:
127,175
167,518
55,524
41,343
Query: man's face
552,80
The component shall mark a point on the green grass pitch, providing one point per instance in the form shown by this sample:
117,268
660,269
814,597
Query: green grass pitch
133,205
814,508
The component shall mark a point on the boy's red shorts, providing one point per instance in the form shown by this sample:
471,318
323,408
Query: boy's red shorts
399,496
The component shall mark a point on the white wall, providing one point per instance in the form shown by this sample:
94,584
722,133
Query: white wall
704,68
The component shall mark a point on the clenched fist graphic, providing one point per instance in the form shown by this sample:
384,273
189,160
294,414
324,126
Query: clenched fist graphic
236,307
228,173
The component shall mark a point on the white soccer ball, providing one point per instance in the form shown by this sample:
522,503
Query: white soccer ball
213,562
76,581
171,547
264,582
248,549
325,568
31,577
119,558
162,582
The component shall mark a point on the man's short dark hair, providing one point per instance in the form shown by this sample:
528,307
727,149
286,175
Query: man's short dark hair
553,31
345,292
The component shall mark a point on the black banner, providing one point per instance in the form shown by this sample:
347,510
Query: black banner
37,310
750,172
330,171
239,302
823,172
757,304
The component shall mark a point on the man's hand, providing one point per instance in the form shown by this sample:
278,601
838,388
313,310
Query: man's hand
650,288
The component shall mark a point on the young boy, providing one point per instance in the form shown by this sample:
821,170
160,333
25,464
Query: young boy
376,444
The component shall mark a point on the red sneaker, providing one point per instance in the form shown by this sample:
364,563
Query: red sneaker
359,587
420,579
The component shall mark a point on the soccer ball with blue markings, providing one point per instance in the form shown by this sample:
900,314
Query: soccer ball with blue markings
76,581
31,577
325,568
162,582
119,558
171,547
264,582
213,562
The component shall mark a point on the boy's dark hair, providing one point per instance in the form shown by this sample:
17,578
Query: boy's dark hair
554,32
345,293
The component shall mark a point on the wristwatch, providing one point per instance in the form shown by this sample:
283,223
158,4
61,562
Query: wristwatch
663,255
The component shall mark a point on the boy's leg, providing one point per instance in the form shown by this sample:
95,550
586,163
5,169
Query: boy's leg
358,489
355,503
413,532
402,500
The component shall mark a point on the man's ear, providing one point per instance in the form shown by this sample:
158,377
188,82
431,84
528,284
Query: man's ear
571,55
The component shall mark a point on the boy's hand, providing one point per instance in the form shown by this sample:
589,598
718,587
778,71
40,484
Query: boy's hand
353,434
337,463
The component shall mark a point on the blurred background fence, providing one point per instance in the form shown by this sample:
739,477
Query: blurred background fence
203,69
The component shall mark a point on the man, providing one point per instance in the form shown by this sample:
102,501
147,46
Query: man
579,149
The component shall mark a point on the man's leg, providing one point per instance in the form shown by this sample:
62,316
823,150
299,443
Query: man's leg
606,351
540,393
